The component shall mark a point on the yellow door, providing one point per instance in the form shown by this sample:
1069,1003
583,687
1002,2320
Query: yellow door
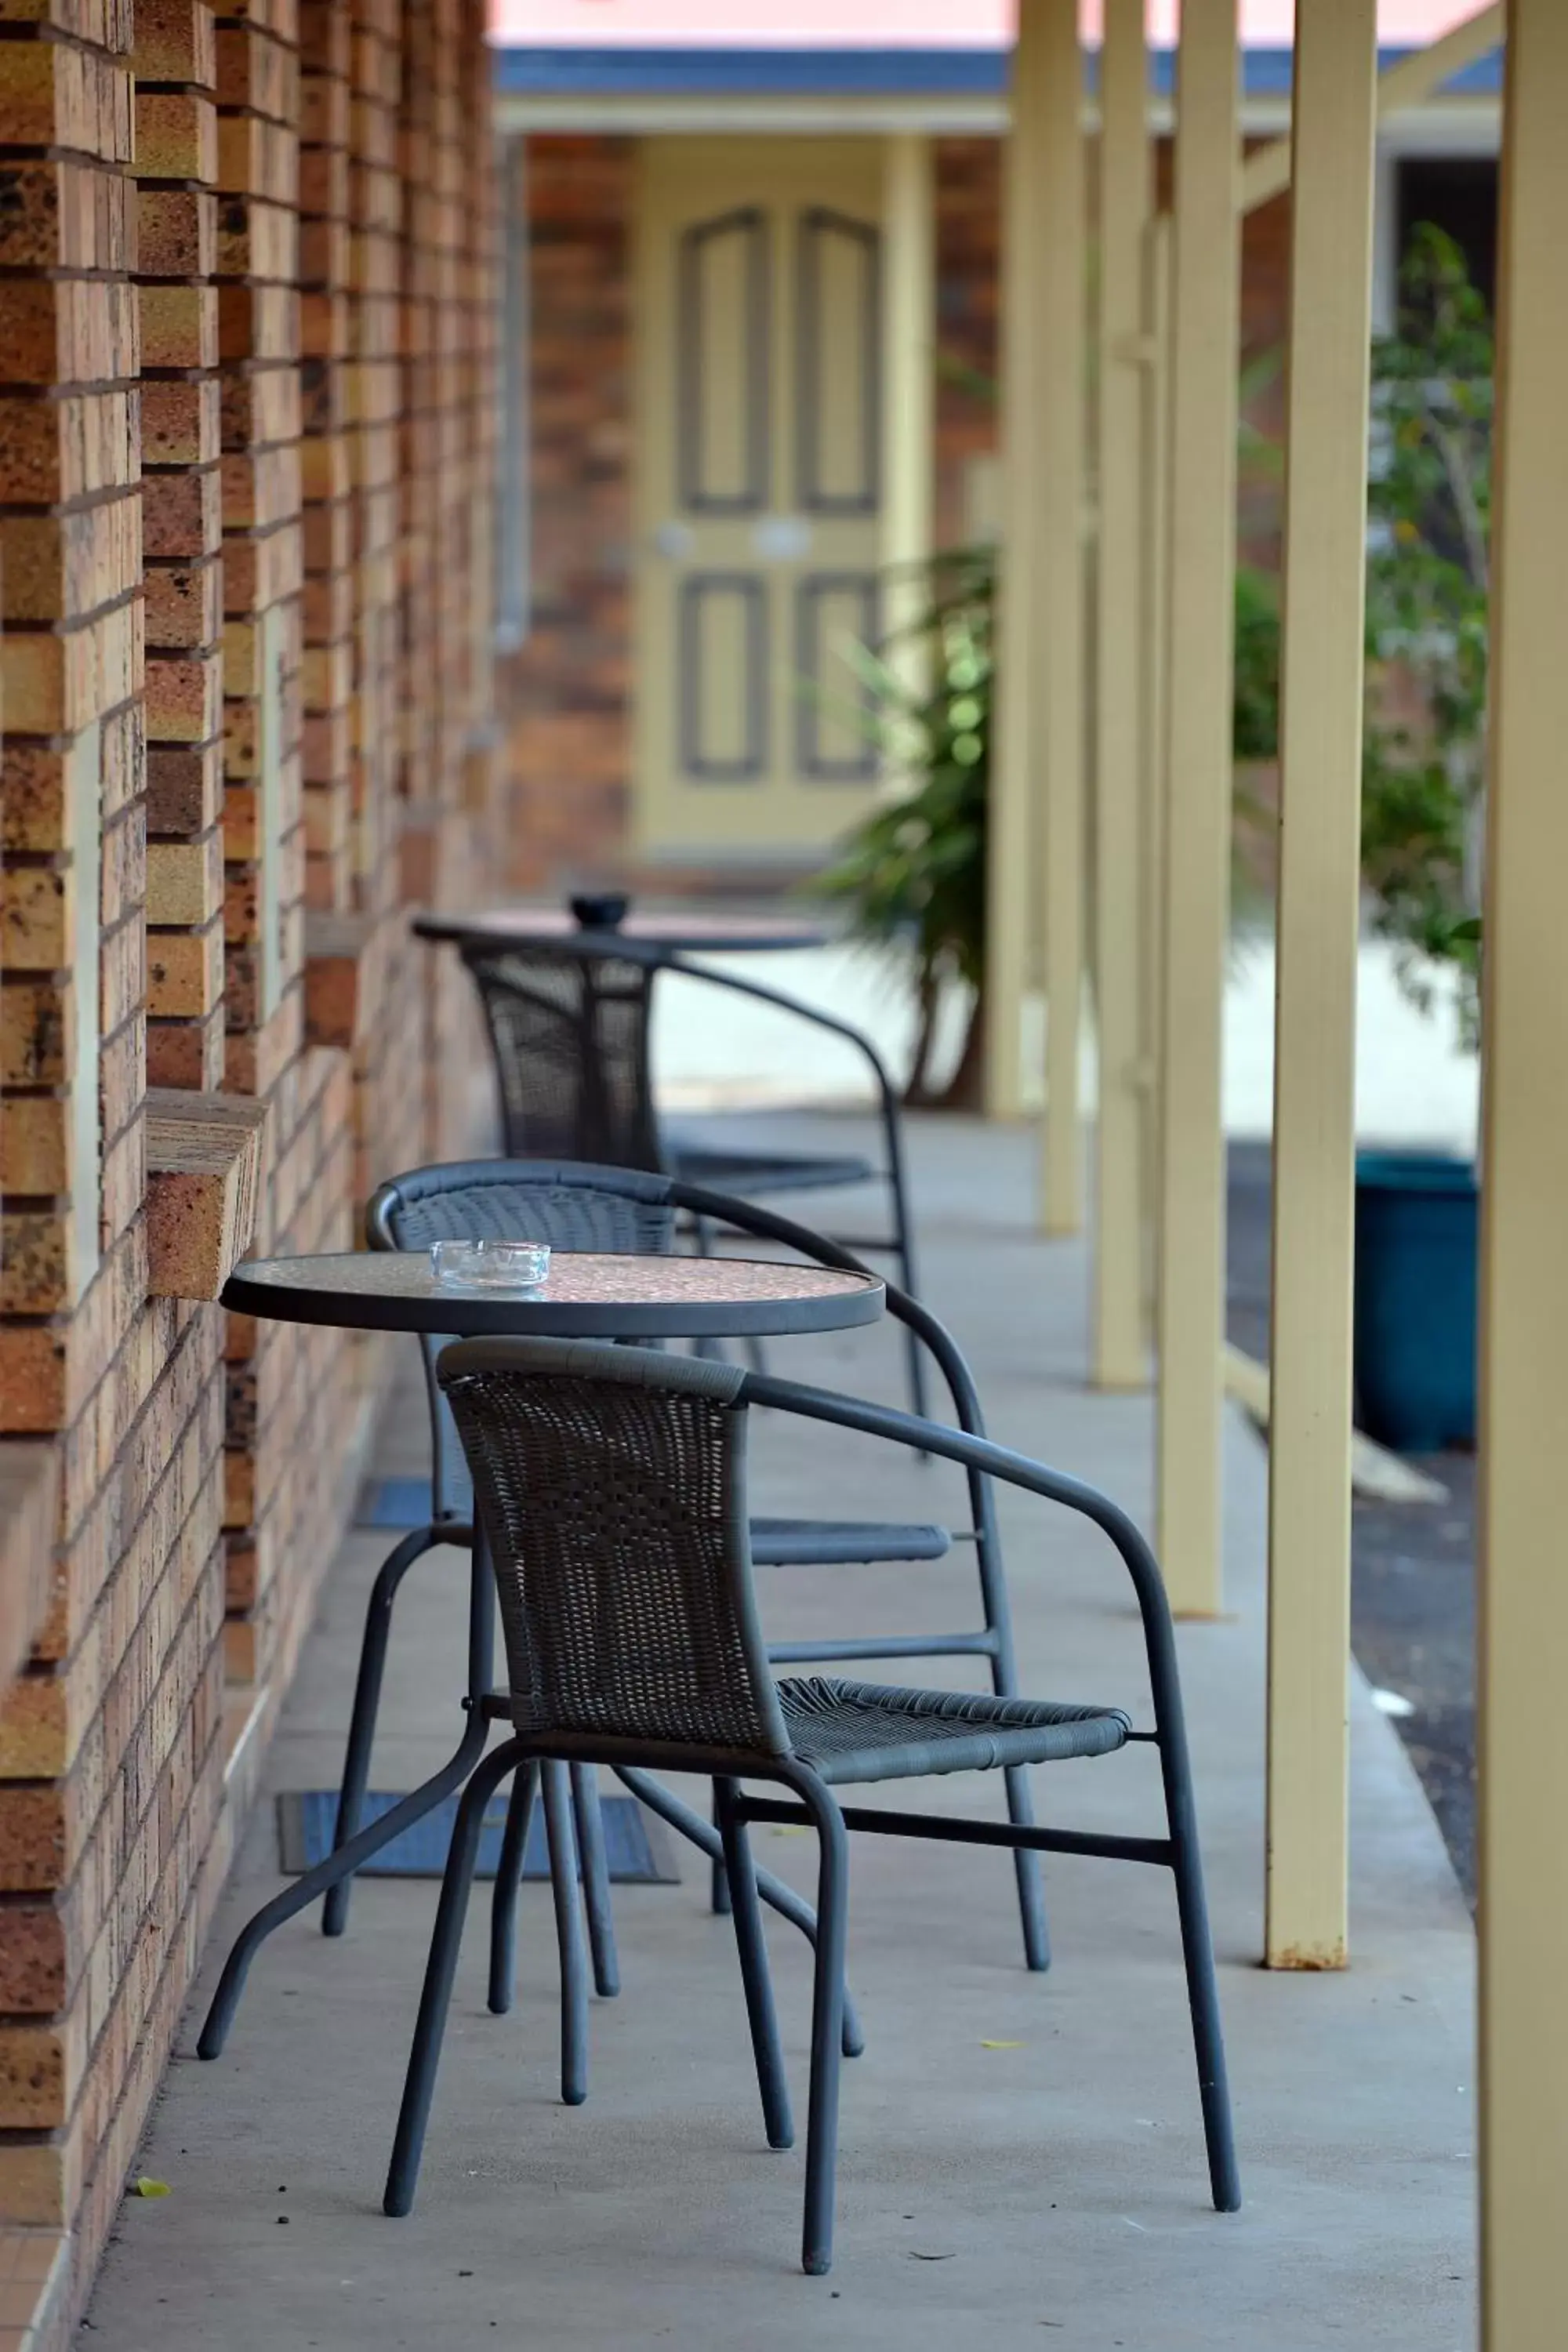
759,494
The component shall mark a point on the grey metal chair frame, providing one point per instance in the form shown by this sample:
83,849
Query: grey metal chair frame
614,1127
609,1207
714,1708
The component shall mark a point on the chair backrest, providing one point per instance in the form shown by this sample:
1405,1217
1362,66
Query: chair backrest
569,1023
572,1208
554,1200
611,1486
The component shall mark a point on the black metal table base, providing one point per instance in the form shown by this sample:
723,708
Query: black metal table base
348,1858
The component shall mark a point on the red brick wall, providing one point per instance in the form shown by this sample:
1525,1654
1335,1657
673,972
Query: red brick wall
571,740
201,577
968,179
110,1759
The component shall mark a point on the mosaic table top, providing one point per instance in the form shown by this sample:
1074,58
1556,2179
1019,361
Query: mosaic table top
585,1295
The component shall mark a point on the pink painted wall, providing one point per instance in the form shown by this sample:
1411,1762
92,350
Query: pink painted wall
871,24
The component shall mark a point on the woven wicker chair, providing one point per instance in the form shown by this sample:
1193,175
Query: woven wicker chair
588,1208
611,1490
570,1024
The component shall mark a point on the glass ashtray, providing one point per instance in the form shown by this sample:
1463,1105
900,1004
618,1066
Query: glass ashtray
489,1265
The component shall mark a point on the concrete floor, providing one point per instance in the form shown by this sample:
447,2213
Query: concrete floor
1021,2156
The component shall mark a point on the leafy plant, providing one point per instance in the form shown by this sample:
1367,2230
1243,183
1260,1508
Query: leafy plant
1429,508
912,874
1255,704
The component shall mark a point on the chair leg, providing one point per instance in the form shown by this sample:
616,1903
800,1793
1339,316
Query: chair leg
1030,1873
1203,1996
507,1881
827,2028
425,2056
782,1898
760,2012
904,1251
554,1780
590,1823
366,1706
719,1877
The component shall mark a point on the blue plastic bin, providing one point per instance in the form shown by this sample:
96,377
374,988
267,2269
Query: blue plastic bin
1416,1244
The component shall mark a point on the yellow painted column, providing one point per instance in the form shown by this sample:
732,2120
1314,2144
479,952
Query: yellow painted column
909,396
1190,1284
1154,619
1058,652
1523,1590
1125,175
1012,826
1407,83
1036,866
1334,132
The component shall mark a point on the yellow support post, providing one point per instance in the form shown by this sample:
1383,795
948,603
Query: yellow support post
1408,82
1040,656
1205,336
1013,824
1058,652
1154,615
1118,1353
1334,135
909,395
1523,1594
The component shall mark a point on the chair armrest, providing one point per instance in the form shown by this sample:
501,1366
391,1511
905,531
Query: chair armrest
980,1455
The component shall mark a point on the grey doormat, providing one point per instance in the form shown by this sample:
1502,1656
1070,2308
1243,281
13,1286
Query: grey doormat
637,1845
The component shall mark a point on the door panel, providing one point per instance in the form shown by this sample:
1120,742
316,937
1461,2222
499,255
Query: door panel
759,508
723,334
834,742
721,656
839,380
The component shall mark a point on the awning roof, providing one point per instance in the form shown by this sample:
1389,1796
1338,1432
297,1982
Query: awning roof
836,69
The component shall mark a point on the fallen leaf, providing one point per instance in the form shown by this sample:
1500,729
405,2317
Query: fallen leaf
916,2257
146,2188
1001,2045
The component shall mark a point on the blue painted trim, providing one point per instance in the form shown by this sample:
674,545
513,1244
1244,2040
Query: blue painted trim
857,73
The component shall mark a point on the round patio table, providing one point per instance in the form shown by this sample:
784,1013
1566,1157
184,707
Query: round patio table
591,1295
582,1297
660,930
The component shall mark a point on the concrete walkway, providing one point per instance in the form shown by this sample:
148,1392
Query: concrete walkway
1021,2161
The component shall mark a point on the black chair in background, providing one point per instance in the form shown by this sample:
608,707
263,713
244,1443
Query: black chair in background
570,1024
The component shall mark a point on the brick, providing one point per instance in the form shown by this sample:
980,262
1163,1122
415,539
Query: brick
179,423
175,42
184,972
184,880
179,326
176,136
184,788
34,1147
184,697
205,1153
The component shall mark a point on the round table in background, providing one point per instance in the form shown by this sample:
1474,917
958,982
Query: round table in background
602,1297
666,932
